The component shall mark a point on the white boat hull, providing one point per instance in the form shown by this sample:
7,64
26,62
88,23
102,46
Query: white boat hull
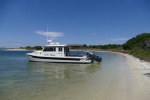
66,59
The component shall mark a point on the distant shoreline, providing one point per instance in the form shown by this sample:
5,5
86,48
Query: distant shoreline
15,49
118,51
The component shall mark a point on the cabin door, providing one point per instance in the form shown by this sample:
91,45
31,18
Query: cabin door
66,51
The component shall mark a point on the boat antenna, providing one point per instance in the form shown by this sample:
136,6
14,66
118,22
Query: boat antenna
47,31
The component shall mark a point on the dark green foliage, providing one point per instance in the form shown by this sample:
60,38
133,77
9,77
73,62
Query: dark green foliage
32,48
107,46
141,40
139,46
28,47
141,53
110,46
37,47
21,48
84,45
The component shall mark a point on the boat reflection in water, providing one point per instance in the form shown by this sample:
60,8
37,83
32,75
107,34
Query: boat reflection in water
61,71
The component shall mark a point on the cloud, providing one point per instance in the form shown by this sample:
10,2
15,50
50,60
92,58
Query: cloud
119,39
52,35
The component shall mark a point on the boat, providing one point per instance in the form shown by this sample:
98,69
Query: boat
55,52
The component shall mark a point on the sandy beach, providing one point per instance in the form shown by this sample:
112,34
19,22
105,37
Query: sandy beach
138,87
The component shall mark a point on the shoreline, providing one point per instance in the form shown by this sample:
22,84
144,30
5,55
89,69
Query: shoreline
138,60
137,76
139,71
133,62
139,63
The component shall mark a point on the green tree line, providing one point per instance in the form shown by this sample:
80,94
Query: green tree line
32,48
139,46
107,46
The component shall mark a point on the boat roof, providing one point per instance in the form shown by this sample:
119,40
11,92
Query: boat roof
75,45
60,45
56,44
66,45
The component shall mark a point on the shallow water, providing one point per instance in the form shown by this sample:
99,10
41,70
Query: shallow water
23,80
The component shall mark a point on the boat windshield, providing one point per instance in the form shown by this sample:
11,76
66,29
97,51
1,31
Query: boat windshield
77,53
49,49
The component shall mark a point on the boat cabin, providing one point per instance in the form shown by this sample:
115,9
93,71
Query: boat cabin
56,49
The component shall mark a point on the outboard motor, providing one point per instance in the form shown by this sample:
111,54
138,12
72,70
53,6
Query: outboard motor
93,57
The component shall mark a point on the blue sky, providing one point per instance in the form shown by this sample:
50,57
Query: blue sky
91,22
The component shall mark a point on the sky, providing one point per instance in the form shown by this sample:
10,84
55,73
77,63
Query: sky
91,22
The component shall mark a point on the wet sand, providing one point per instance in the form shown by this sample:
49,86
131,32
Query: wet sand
138,82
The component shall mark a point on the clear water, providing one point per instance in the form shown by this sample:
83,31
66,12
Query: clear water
23,80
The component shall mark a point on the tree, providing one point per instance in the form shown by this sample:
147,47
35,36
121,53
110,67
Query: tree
140,40
37,48
28,47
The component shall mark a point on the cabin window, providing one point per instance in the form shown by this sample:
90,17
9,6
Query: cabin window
60,49
49,49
